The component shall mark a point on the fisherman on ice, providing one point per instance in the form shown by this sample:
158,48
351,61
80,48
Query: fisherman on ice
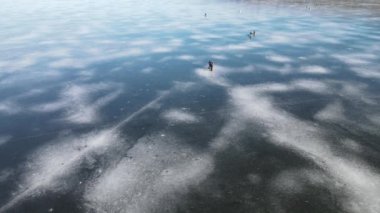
210,65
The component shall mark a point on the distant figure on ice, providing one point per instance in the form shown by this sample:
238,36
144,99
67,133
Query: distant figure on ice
251,34
210,65
205,14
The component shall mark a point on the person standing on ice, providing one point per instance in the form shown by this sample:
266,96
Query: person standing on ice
210,65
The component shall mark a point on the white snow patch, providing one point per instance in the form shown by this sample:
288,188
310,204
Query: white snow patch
366,72
147,70
312,86
212,76
61,158
374,118
186,57
220,73
293,181
5,174
141,42
279,39
355,59
4,139
362,183
332,112
180,116
77,103
184,86
9,107
278,58
314,69
234,47
157,171
47,167
219,57
162,49
68,63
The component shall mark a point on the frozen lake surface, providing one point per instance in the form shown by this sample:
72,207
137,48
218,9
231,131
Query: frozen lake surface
108,106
